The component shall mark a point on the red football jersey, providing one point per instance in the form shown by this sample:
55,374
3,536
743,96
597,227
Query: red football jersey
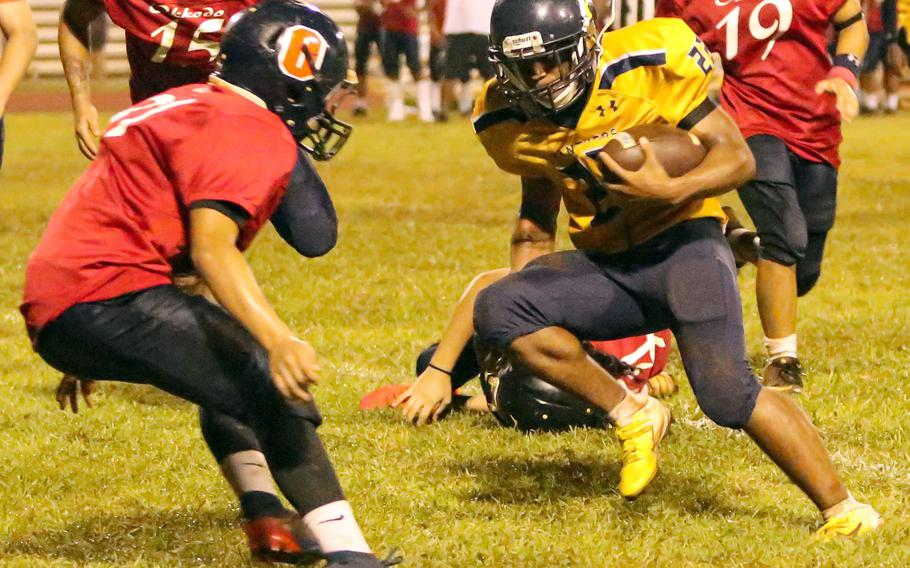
171,42
773,53
125,222
647,353
400,16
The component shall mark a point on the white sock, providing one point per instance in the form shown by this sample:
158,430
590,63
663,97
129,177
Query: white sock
781,347
436,96
424,101
361,103
844,506
893,102
621,414
465,98
334,528
247,471
395,98
870,100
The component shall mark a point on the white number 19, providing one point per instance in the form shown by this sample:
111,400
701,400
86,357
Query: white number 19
778,27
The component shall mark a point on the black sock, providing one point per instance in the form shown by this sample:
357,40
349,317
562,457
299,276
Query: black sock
256,504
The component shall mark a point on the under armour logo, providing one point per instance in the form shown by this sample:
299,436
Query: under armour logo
613,106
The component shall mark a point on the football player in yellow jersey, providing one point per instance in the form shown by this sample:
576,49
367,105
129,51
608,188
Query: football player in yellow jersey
650,250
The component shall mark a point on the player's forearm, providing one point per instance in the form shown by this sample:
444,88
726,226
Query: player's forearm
233,284
76,64
854,38
460,330
21,42
725,167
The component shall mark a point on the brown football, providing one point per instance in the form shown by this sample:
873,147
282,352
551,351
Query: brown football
679,151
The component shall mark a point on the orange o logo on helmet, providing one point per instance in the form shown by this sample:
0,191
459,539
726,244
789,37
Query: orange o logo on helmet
294,45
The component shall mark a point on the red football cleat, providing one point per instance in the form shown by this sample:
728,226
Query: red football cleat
383,397
272,539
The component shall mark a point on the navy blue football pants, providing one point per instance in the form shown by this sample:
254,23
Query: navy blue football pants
792,202
195,350
683,279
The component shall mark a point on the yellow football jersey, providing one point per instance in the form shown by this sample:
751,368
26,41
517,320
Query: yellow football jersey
655,71
903,14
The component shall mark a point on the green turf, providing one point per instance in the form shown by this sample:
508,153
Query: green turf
422,210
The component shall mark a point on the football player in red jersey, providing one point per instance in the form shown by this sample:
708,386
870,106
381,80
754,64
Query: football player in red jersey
788,99
171,44
164,191
168,43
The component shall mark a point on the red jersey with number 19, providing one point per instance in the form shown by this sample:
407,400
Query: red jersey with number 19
171,42
773,53
125,222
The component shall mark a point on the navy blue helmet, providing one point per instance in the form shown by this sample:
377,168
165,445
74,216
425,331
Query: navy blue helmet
294,58
528,37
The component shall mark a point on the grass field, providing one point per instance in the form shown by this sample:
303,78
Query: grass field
129,482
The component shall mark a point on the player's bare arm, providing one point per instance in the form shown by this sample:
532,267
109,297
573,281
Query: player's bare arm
72,37
535,230
431,393
728,164
21,40
292,361
852,41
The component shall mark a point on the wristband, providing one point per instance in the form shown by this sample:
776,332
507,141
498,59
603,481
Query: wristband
440,369
846,67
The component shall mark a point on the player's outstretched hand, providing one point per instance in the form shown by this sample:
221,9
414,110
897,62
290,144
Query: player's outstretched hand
294,366
651,181
67,393
426,399
87,131
845,97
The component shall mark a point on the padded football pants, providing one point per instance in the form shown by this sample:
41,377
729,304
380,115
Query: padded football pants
792,202
683,279
195,350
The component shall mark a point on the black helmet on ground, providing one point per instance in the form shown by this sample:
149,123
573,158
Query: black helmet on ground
295,59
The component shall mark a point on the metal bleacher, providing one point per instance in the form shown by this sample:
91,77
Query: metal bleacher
47,59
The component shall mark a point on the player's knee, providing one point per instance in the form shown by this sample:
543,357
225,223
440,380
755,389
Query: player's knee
423,360
225,435
787,247
491,315
730,408
807,278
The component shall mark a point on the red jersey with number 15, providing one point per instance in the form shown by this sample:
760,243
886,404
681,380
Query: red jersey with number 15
171,42
773,53
125,223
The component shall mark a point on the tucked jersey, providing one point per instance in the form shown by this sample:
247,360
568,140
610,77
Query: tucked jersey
653,72
171,42
124,225
773,53
400,16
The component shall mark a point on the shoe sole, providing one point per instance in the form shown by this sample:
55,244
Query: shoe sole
791,389
296,559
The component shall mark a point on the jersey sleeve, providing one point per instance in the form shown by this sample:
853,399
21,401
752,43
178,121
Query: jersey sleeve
215,165
517,144
683,94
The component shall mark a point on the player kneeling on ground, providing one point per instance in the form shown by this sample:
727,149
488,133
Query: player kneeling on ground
195,172
445,367
651,252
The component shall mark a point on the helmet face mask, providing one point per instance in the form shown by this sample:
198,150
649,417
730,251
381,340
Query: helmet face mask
294,59
544,64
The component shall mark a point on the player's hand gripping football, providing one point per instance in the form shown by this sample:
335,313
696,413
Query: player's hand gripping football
846,100
67,393
651,181
294,366
87,131
426,399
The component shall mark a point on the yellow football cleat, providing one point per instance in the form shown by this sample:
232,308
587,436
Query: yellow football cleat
861,520
639,439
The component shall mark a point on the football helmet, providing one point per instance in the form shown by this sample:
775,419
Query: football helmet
531,38
295,59
518,399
